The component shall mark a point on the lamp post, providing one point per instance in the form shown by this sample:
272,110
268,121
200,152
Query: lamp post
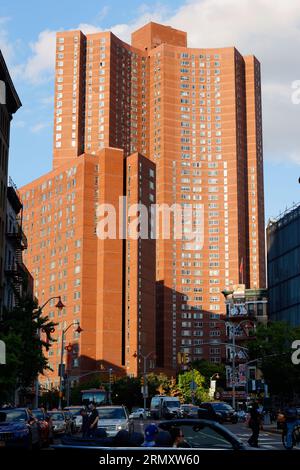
109,385
59,306
63,333
145,391
215,375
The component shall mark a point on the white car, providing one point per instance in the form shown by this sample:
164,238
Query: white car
113,419
138,413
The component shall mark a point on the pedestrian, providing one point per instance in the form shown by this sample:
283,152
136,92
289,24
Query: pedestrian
85,423
291,419
254,425
178,437
92,420
151,432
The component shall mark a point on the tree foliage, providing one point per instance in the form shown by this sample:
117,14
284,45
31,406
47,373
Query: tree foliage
272,349
208,369
24,346
185,380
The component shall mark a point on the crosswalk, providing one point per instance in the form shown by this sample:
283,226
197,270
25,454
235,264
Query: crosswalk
265,441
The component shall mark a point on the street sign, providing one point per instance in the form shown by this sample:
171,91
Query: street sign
144,391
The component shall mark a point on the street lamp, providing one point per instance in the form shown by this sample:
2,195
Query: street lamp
144,375
211,379
59,306
63,333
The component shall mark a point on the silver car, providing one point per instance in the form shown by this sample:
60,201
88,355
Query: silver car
114,419
60,423
138,413
76,413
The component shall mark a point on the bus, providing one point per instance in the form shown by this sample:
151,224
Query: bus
99,396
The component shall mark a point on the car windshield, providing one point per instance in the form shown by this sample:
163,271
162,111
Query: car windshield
222,406
75,411
38,414
57,416
111,413
203,436
172,404
12,416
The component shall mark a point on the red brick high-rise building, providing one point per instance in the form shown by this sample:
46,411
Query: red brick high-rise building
193,117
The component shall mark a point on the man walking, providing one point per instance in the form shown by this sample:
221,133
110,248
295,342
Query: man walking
254,424
93,420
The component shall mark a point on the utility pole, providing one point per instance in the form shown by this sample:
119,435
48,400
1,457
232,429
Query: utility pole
233,366
109,385
61,366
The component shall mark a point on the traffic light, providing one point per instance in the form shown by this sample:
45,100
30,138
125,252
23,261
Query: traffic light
142,380
179,358
186,358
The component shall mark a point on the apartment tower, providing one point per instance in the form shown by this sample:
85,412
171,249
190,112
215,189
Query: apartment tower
194,114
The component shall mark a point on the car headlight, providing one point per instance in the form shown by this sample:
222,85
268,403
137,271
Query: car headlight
121,426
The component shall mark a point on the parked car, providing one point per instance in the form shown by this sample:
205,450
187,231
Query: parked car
164,407
60,423
75,410
113,419
189,411
45,426
138,413
220,412
19,429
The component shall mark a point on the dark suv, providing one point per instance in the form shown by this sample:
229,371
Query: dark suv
219,411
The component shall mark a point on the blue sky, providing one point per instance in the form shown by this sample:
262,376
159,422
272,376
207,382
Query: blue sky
27,32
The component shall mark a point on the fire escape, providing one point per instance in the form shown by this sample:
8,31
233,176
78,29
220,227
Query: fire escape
16,271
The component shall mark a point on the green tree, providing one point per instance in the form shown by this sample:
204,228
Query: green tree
208,369
185,380
25,348
272,348
127,391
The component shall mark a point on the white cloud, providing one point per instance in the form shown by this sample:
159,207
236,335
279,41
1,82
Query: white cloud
6,46
47,100
269,29
39,127
40,65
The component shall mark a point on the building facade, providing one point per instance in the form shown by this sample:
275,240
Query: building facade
196,114
102,282
283,246
9,104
